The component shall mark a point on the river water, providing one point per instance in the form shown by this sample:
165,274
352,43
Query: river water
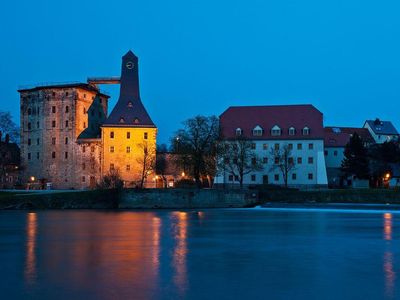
207,254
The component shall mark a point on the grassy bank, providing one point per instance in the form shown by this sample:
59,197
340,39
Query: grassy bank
59,200
330,196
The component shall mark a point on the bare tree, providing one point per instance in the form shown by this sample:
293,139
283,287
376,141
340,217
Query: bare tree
161,167
238,158
196,146
146,160
7,126
283,160
111,181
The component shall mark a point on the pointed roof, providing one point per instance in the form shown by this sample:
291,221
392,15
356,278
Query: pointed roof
129,110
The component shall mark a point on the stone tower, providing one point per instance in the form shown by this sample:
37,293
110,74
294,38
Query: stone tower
129,134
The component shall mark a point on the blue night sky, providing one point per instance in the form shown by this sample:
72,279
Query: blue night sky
199,57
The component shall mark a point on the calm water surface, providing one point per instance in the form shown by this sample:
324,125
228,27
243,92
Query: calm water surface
209,254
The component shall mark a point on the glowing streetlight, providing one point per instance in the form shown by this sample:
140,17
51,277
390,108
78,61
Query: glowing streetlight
183,174
387,176
32,178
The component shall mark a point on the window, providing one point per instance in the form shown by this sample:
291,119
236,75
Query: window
111,134
265,146
294,176
276,146
136,121
83,149
84,110
265,160
253,177
310,146
292,131
299,160
66,141
128,167
29,126
112,149
66,155
128,135
310,160
253,146
54,94
306,131
145,135
92,149
310,176
29,111
29,156
29,142
236,178
53,141
253,161
84,96
335,153
299,146
238,131
290,160
121,120
111,167
37,125
83,179
38,142
130,104
276,177
53,124
83,166
326,152
53,109
276,160
290,146
275,131
84,124
37,155
230,178
128,149
257,131
53,155
67,109
66,93
66,124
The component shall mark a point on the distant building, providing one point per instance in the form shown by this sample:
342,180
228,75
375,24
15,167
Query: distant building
335,140
300,127
9,163
381,131
167,170
67,140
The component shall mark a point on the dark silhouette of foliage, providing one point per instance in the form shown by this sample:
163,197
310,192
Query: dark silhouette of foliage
356,158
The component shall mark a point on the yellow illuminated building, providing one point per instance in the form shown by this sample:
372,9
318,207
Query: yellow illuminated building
129,135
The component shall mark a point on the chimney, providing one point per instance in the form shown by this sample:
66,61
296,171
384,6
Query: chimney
7,138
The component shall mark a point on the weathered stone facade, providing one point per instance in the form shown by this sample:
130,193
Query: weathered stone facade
57,123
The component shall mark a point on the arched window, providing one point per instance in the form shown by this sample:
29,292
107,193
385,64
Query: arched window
276,131
257,131
130,104
292,131
306,131
238,131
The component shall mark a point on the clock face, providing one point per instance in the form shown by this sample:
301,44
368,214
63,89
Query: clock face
129,65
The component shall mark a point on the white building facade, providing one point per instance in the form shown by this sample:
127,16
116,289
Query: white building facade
269,128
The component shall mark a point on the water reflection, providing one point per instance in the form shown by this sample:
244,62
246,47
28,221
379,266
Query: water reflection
388,258
180,250
31,235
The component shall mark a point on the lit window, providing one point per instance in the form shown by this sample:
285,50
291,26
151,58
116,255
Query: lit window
306,131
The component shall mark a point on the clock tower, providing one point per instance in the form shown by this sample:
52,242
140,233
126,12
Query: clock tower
129,134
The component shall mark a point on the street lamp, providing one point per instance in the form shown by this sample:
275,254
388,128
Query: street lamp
32,178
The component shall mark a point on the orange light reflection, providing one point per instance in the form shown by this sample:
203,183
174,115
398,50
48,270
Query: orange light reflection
30,262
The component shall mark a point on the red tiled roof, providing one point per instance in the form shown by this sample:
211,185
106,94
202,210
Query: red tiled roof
284,116
340,136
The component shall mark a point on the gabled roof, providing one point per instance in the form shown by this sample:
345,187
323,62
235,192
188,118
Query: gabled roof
129,110
340,136
382,127
284,116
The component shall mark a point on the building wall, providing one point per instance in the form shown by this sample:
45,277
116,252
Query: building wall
51,121
334,156
115,153
317,168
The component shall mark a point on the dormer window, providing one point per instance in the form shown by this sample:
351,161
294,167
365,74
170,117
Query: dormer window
276,131
122,120
238,131
130,104
306,131
136,121
257,131
292,131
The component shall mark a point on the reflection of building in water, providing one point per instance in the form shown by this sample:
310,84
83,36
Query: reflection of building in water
180,251
388,258
31,234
